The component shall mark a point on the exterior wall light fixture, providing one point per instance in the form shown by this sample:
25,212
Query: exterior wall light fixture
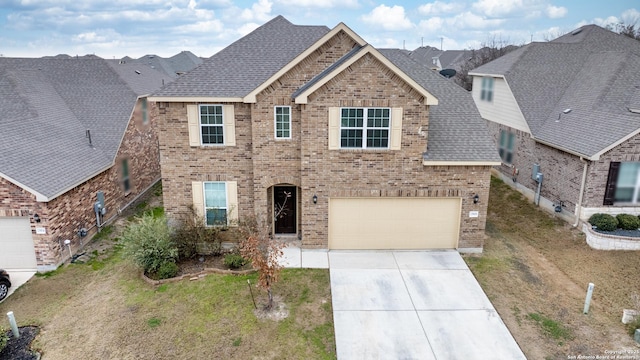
315,198
36,218
476,199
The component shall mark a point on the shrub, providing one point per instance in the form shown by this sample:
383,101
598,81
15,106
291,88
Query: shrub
148,243
234,260
604,222
4,338
628,222
167,270
191,231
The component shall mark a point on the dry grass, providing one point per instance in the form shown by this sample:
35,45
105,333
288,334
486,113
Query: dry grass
536,264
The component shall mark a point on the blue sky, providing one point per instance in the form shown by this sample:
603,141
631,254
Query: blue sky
115,28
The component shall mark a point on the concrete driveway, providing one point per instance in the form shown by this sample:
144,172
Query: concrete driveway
18,278
413,305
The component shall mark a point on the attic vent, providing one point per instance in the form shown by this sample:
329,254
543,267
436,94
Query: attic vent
576,32
121,62
138,72
635,111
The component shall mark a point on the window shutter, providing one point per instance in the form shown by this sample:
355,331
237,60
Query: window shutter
334,128
232,203
194,125
610,189
396,129
198,197
229,119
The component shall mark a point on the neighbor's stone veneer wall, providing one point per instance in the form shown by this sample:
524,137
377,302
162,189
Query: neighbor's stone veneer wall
63,216
259,161
600,241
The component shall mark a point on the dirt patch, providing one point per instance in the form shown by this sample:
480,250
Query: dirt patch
535,266
278,311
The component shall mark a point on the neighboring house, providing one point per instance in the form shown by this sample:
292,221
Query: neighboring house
362,148
570,109
437,59
173,66
71,129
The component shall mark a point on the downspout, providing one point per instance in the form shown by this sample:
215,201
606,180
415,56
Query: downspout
584,181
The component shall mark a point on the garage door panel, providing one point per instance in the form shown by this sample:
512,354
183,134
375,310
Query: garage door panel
16,244
393,223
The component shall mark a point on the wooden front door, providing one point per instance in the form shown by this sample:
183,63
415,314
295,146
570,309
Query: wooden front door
284,209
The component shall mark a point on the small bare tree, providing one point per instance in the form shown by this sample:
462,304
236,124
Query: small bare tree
490,50
263,251
625,29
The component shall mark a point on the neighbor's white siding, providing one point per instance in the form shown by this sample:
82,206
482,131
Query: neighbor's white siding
503,109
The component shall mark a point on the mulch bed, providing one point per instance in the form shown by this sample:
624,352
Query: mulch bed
20,349
620,232
200,263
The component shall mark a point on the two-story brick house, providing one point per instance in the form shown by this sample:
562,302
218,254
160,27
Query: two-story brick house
73,132
362,148
568,109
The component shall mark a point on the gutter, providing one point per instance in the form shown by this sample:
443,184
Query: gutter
582,185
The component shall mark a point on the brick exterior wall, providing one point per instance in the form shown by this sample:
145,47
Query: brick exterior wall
63,216
259,161
563,172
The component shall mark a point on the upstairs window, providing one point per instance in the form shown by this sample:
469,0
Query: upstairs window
486,93
126,182
283,122
365,127
507,144
211,124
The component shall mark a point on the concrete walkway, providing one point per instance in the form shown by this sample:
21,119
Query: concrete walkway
409,305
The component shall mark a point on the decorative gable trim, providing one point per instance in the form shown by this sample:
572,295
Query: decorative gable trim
251,97
429,99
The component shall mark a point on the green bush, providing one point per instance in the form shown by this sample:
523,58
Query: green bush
148,243
234,260
191,231
167,270
628,222
4,338
603,222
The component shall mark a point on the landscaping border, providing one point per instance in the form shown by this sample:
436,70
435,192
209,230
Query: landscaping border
196,276
601,241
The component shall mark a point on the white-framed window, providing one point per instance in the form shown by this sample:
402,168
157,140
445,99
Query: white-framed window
365,127
215,202
486,92
145,111
211,124
126,182
628,183
282,120
507,145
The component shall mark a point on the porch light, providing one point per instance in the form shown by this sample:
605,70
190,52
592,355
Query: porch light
36,218
315,198
476,198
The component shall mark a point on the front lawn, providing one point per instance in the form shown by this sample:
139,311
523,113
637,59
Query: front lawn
108,312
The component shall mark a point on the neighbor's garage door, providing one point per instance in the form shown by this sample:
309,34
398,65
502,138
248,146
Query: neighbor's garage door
16,244
394,223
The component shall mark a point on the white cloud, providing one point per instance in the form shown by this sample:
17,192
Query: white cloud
611,20
498,8
469,20
209,26
431,25
556,12
439,8
325,4
247,28
631,16
390,18
260,11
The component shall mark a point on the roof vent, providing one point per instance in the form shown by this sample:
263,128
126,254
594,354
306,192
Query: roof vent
577,31
138,72
635,111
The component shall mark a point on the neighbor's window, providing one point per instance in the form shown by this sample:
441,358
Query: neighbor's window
211,124
126,183
486,93
628,184
283,122
145,112
507,142
215,203
365,127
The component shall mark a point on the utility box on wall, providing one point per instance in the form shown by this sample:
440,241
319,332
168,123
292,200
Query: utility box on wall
535,169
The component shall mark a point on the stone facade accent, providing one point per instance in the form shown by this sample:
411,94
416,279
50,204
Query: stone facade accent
64,215
259,161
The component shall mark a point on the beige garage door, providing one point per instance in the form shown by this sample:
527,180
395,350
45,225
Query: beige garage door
16,244
394,223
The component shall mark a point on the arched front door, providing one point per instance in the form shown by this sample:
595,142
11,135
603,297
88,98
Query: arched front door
285,202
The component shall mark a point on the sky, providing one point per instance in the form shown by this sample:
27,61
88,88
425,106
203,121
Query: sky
118,28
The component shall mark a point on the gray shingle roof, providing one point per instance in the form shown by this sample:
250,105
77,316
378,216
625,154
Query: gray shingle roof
592,71
242,66
172,66
456,130
46,106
